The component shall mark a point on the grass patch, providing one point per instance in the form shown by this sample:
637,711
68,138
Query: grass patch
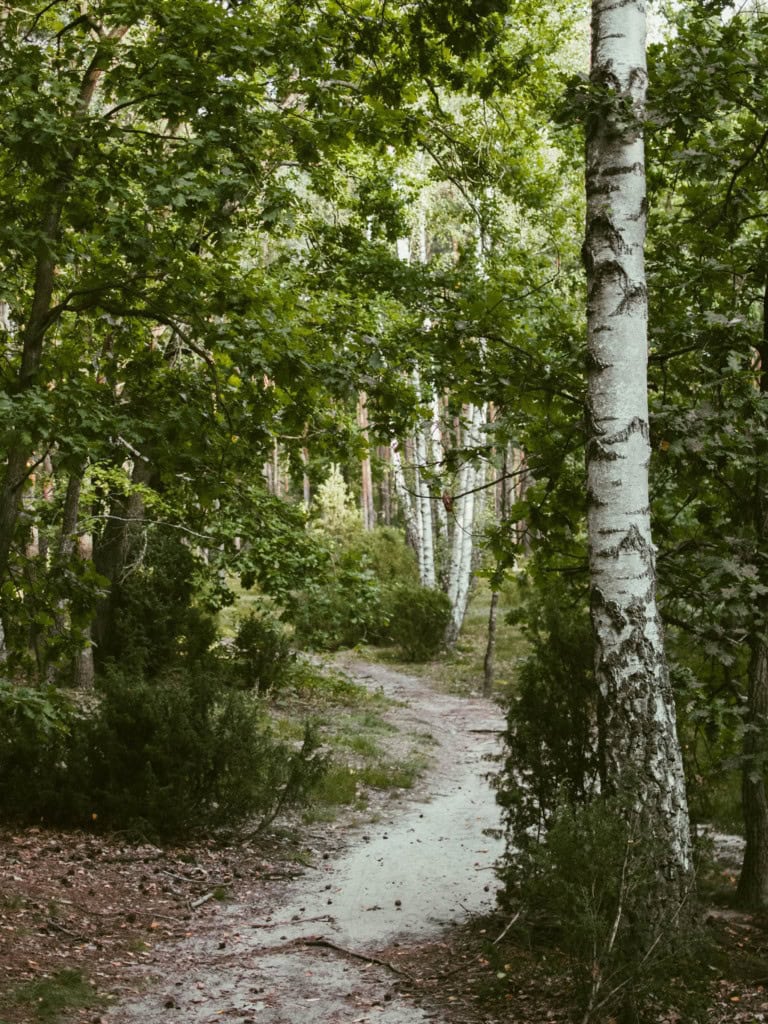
338,787
365,746
393,776
49,998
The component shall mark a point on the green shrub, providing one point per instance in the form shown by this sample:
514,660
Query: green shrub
154,620
344,609
550,749
418,620
389,557
263,651
164,756
36,729
593,889
186,751
350,602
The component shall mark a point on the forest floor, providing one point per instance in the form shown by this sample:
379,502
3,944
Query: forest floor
388,916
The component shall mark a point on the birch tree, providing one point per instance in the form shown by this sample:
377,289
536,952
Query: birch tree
641,749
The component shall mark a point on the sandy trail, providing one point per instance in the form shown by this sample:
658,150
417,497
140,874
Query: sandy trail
425,864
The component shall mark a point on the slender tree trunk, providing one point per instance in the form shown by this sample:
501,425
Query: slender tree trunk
490,647
40,318
305,484
68,542
366,476
502,509
114,546
423,500
84,674
404,497
462,543
438,455
642,749
753,880
385,491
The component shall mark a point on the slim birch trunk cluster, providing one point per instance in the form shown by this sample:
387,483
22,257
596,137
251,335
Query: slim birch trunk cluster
437,520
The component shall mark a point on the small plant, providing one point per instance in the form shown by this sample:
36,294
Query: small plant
50,998
338,786
418,620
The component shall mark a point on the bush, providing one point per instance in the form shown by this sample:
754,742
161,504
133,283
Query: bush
263,650
594,890
342,610
418,620
166,757
36,729
550,753
185,752
154,619
351,603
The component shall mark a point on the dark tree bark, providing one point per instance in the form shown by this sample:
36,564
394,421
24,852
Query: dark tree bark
753,880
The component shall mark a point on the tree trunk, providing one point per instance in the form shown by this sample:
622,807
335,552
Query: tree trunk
438,456
404,497
366,476
490,648
39,318
753,880
423,500
643,755
462,543
68,542
113,548
502,511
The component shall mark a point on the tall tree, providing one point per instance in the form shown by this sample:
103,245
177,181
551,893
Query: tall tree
641,750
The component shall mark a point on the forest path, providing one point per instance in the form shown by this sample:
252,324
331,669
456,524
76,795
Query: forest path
282,955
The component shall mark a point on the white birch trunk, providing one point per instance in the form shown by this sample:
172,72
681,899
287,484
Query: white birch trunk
462,546
641,745
438,455
367,507
403,495
423,499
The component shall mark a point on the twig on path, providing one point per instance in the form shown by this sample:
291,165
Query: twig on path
300,920
194,904
55,926
488,732
319,940
479,956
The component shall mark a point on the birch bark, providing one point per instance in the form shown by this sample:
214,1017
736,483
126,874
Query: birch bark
403,495
423,499
462,545
641,745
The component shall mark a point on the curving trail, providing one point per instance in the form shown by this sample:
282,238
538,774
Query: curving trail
323,948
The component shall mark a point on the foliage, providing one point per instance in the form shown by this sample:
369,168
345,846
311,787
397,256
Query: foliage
154,618
418,620
550,743
36,729
350,602
592,888
263,649
165,756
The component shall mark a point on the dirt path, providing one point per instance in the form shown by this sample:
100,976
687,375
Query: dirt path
324,947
